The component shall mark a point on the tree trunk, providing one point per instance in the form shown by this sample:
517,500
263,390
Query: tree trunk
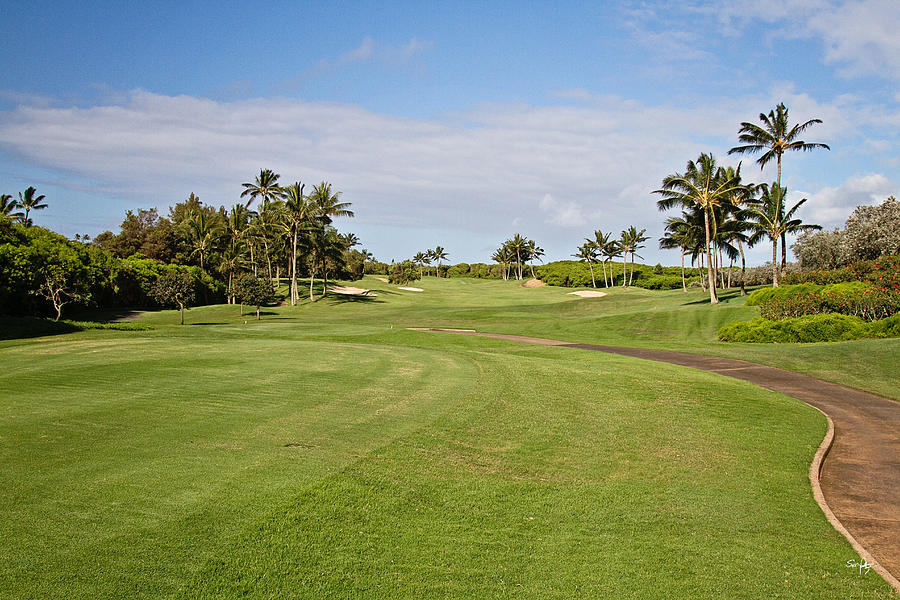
603,265
683,282
713,299
775,261
631,277
624,268
182,313
743,268
295,296
593,281
783,253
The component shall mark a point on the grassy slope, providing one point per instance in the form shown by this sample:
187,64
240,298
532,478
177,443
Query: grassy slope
153,464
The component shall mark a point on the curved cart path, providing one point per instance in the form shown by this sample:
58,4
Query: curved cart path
858,487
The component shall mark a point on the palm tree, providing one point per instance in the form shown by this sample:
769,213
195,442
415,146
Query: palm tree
533,252
204,230
767,217
600,242
504,256
678,234
30,202
611,251
635,242
588,253
327,204
439,255
8,206
265,188
705,186
518,247
297,212
419,259
428,256
774,137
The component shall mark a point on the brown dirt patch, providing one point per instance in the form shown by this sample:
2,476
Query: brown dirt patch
533,283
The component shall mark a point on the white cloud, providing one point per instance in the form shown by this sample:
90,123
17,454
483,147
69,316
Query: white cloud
830,206
591,166
858,36
565,213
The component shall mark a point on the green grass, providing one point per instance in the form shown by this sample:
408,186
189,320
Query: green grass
328,452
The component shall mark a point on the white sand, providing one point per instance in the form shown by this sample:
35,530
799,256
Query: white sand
588,294
350,291
410,289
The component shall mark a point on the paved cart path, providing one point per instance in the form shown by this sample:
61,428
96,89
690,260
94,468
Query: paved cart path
858,487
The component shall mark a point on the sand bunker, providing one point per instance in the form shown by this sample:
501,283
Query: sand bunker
533,283
587,294
350,291
410,289
382,279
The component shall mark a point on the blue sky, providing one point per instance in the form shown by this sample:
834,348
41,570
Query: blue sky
454,124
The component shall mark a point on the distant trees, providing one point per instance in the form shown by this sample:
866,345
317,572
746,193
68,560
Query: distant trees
515,253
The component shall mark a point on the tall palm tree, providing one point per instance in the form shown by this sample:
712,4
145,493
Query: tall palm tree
29,201
774,137
635,242
298,211
419,259
587,252
678,234
703,185
265,188
533,252
504,256
439,255
600,242
767,217
8,207
518,246
327,204
608,254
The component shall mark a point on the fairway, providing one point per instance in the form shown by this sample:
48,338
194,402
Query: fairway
327,451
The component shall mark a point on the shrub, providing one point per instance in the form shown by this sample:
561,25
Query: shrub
808,328
403,272
660,282
885,328
761,296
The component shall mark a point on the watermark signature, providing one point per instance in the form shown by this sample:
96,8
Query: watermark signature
862,564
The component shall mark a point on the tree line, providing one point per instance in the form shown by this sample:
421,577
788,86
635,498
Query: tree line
287,231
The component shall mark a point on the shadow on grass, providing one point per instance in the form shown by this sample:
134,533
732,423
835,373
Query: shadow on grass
724,297
14,328
349,298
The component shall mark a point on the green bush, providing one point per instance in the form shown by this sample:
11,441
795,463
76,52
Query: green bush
761,296
808,328
659,282
885,328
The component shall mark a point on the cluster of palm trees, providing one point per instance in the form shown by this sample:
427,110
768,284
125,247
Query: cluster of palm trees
514,254
603,248
721,214
28,200
285,218
430,256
